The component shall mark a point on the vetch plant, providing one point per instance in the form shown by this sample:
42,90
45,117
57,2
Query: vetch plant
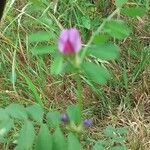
69,45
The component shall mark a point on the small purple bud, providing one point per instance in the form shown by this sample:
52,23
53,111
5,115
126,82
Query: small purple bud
87,122
64,118
69,41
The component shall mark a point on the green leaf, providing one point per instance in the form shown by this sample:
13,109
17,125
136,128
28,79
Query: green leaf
35,112
107,51
53,119
74,114
95,73
98,39
26,137
44,139
3,115
134,11
6,123
43,49
110,132
40,36
6,126
117,29
17,111
59,142
98,146
57,65
119,3
73,142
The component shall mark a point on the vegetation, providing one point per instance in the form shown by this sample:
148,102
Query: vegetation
97,98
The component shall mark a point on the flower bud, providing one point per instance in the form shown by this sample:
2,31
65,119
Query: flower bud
69,41
87,122
64,118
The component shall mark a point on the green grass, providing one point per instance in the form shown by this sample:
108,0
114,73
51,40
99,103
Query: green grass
25,78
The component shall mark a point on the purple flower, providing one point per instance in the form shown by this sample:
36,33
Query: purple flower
64,118
69,41
87,122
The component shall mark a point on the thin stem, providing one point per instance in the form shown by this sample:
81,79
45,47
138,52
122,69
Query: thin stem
98,31
79,92
13,71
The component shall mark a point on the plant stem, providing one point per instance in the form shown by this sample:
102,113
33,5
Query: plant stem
79,92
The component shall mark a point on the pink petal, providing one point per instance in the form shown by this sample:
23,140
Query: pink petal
75,39
64,35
